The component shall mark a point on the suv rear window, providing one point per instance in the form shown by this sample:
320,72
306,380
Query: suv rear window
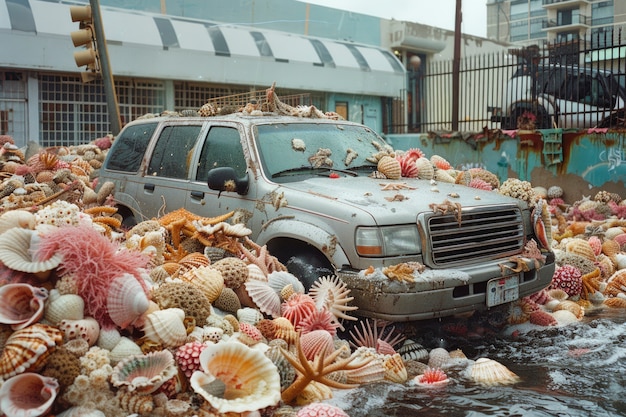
130,147
172,154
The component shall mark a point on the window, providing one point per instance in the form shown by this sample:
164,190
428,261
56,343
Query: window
341,108
172,154
222,148
130,147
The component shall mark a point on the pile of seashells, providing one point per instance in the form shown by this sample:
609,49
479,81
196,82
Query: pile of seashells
186,316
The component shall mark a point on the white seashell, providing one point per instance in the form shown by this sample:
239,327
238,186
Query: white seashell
63,306
390,166
425,168
108,338
280,279
438,357
144,374
81,411
17,218
126,300
28,395
166,327
265,297
620,260
124,348
87,328
21,304
488,372
249,315
248,380
15,252
256,273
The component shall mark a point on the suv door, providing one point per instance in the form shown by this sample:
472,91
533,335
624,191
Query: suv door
166,177
222,146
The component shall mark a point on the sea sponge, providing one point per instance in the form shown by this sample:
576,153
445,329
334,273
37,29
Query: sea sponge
186,296
64,366
234,271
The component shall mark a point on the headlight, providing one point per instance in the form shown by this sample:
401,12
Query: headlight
387,241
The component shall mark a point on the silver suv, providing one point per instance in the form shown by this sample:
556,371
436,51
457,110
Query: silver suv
305,188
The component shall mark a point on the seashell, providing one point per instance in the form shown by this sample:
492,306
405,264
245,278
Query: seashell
17,218
123,349
314,392
126,300
87,328
372,371
297,307
166,327
395,371
249,378
192,261
444,176
81,411
390,167
384,348
317,343
438,357
612,232
255,273
425,168
581,247
28,395
108,338
249,315
264,297
615,302
432,377
610,248
228,301
27,349
616,284
488,372
280,279
63,306
320,409
16,252
285,330
208,279
21,304
440,162
413,351
77,347
331,293
620,260
572,307
134,403
144,374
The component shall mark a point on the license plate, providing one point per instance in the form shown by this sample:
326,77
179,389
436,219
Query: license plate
502,290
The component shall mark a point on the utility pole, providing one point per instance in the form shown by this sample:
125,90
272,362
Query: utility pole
456,67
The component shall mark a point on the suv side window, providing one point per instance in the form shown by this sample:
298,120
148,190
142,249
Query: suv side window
173,150
130,147
222,148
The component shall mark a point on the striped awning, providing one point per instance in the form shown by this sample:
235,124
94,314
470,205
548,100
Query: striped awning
166,47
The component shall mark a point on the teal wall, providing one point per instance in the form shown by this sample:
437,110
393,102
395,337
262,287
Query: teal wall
361,109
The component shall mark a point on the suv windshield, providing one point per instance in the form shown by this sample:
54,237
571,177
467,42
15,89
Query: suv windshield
289,151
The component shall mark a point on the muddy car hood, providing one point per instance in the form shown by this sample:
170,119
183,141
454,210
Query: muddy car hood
380,199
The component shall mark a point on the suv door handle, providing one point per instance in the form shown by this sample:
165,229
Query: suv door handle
148,187
197,194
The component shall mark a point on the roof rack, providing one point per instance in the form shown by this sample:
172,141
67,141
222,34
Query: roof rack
258,97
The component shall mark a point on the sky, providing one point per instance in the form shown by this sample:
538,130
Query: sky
438,13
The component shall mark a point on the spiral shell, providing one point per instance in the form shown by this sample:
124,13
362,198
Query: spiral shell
21,304
126,300
166,327
390,167
17,218
488,372
248,380
18,252
28,395
28,349
144,373
63,306
135,404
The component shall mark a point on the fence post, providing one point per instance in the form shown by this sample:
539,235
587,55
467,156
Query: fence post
456,67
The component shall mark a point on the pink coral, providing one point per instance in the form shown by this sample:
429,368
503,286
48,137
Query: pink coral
297,307
618,211
542,318
569,279
188,357
408,169
320,410
103,142
480,184
319,320
432,377
95,261
251,331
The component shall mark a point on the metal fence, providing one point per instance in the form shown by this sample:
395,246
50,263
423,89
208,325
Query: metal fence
577,84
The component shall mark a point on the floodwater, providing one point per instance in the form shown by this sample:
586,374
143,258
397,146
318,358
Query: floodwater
577,369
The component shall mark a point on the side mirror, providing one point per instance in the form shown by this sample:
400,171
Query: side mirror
225,179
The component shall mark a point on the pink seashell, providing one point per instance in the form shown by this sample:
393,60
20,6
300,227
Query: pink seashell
21,304
316,343
87,328
331,293
145,373
440,162
432,377
320,409
384,348
28,349
265,297
297,307
248,379
408,169
596,244
28,395
126,300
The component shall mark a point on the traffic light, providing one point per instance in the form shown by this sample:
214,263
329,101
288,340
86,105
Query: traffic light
85,37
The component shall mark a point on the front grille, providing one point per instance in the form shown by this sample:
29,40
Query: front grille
484,233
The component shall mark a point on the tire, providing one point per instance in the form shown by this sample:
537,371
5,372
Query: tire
128,220
301,259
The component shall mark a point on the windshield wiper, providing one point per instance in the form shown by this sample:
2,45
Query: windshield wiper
318,171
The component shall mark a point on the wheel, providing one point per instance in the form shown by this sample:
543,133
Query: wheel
301,259
128,220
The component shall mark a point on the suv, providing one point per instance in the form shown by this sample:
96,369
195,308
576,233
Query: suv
305,188
560,95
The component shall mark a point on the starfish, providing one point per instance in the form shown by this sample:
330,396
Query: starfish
591,283
400,272
260,257
318,370
448,206
520,265
396,186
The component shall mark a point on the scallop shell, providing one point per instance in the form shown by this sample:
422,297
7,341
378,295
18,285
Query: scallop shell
616,284
611,232
411,350
581,247
123,349
395,371
144,373
208,279
265,297
15,252
250,380
28,349
280,279
610,247
166,327
21,304
63,306
17,218
438,357
316,343
255,273
28,395
390,167
572,307
372,371
126,300
425,168
440,162
285,330
488,372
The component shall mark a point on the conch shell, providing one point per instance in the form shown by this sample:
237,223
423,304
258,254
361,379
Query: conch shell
28,395
21,304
